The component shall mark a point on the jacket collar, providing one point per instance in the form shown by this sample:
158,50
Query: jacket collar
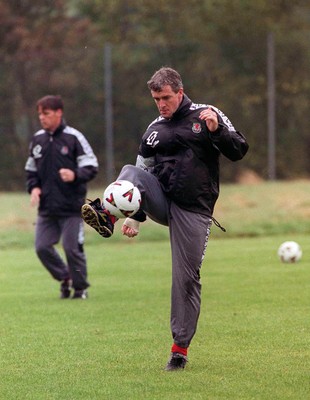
183,108
60,128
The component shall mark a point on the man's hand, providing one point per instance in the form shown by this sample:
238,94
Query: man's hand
66,175
130,227
211,119
35,196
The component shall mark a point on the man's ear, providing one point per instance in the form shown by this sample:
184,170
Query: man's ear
59,112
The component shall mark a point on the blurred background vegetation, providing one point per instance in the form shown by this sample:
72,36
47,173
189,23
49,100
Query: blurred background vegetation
219,47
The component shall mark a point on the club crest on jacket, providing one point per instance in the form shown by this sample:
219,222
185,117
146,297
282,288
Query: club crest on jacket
196,128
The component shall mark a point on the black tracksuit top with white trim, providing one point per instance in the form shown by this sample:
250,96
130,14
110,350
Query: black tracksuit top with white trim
186,155
48,153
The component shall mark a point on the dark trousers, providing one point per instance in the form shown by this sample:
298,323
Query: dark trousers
49,231
189,233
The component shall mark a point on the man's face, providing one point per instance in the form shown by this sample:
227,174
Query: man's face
167,101
49,119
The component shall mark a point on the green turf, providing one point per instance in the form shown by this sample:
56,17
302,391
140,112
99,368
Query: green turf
252,340
253,335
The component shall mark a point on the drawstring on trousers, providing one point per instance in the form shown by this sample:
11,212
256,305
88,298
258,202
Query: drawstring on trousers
216,223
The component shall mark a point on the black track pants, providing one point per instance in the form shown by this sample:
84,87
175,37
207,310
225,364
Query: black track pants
49,230
189,233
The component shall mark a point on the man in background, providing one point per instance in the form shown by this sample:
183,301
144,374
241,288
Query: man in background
60,164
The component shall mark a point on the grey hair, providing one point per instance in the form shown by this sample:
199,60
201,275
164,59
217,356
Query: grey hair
163,77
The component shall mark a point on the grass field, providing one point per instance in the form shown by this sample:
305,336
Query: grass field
254,330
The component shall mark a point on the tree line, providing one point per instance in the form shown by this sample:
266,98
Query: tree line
218,46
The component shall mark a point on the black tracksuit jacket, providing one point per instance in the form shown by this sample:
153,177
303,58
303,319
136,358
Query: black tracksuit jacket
48,153
186,155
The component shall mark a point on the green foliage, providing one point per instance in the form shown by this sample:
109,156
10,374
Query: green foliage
219,48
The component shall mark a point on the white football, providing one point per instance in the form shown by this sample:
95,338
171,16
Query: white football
122,199
290,252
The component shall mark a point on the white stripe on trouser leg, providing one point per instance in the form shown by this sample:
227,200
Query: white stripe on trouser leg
189,234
